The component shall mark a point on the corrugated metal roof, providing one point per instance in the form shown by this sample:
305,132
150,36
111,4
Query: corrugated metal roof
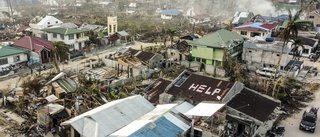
218,39
183,107
162,127
205,109
200,88
111,116
253,104
160,112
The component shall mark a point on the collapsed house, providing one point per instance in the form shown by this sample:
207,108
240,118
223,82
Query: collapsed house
52,115
137,57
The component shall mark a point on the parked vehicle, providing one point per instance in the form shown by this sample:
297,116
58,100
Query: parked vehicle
308,121
269,72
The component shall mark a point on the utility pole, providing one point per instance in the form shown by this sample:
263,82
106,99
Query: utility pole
11,14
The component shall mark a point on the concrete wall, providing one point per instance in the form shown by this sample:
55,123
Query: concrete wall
110,63
144,74
209,69
65,38
194,65
185,63
258,57
155,61
11,59
173,54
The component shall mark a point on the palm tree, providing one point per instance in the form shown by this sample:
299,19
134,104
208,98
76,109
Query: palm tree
290,31
59,49
296,44
172,32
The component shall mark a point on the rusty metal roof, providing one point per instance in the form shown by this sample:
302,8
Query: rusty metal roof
154,90
142,55
200,88
253,104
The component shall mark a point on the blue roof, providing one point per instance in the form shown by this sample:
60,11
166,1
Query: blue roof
279,18
171,12
163,128
257,25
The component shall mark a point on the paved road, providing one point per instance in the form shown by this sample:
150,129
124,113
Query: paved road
292,123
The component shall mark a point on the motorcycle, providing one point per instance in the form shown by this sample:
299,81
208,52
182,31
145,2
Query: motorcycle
276,132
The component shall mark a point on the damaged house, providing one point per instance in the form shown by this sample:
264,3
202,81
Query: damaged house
241,17
167,120
131,116
265,54
250,113
179,51
151,60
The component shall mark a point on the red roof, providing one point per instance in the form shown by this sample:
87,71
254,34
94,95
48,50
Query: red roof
269,26
33,43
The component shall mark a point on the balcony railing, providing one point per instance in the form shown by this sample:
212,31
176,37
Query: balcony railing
80,39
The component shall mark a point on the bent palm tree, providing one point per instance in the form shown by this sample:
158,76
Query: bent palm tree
59,49
290,31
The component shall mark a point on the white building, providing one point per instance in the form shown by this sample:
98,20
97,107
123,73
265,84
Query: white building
256,29
261,54
197,14
37,26
74,37
10,56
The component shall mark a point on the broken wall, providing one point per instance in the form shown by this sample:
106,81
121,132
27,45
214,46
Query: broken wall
194,65
110,63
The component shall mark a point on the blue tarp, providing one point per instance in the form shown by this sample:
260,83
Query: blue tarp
162,127
33,60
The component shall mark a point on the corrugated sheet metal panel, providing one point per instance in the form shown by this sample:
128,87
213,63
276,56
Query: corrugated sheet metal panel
131,128
160,128
183,107
182,125
113,116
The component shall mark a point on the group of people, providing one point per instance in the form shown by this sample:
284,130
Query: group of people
314,110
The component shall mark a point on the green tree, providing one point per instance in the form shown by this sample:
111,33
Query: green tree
59,49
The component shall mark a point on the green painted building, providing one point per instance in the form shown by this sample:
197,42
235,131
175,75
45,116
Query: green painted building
210,48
